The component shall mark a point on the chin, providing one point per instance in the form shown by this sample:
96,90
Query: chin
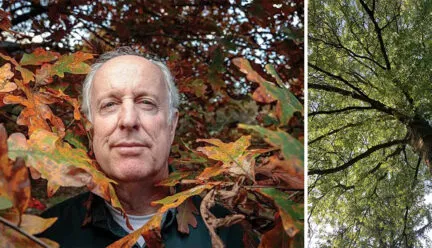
135,173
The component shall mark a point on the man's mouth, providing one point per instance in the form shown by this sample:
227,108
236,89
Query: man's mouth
129,148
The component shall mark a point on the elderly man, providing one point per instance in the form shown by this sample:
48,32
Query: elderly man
132,103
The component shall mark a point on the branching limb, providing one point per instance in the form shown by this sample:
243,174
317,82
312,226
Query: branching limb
327,112
356,159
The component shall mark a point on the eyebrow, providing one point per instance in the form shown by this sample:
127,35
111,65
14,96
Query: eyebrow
116,94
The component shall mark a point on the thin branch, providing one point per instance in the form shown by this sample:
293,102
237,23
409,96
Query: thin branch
31,237
335,131
356,159
337,77
377,31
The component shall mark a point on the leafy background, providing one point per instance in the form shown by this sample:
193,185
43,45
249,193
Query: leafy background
239,68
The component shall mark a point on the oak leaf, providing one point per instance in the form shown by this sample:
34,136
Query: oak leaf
185,216
60,164
38,57
5,75
36,111
236,159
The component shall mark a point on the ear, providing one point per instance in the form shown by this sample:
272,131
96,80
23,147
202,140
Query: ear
173,125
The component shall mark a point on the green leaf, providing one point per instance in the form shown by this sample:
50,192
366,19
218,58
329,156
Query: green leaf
284,203
287,103
5,203
291,148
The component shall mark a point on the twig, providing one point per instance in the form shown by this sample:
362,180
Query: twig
34,239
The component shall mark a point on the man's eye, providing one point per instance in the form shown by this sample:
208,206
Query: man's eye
108,105
146,102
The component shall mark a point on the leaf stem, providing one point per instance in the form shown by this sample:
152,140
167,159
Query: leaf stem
34,239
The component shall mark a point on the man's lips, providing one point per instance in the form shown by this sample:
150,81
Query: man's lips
129,148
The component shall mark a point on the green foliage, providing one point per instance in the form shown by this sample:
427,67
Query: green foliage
369,123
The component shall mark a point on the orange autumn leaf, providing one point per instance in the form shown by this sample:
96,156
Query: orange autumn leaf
236,159
5,75
14,178
26,74
55,160
72,101
150,231
175,200
36,111
19,185
245,67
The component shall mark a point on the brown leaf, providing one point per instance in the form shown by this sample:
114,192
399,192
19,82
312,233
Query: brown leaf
5,75
5,22
36,112
236,159
245,67
283,171
19,185
33,224
185,216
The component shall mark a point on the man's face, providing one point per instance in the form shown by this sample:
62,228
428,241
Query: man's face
130,108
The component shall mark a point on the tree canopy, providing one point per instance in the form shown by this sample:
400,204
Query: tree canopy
239,69
370,117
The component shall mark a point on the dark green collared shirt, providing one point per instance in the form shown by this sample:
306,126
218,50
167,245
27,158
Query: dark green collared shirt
101,230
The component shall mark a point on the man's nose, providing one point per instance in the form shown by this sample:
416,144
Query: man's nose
128,116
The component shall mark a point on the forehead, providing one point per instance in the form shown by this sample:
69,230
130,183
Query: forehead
129,72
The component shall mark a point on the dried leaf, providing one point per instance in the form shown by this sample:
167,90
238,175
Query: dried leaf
36,112
289,172
185,216
5,75
5,22
33,224
276,237
245,67
19,185
173,201
236,159
60,164
174,178
150,231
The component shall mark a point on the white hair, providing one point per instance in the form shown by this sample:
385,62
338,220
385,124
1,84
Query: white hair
173,95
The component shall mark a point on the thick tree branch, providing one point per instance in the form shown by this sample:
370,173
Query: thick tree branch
327,112
374,103
356,159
